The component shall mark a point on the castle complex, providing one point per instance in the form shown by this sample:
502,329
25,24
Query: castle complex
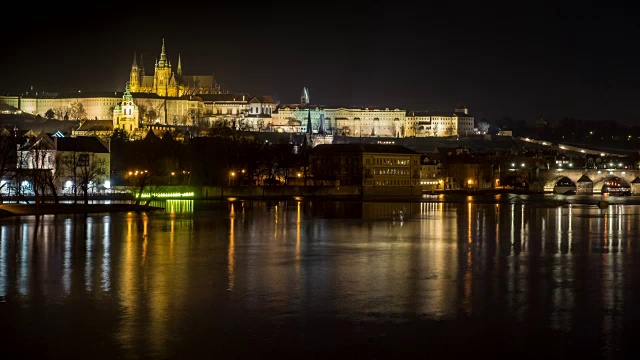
171,98
165,82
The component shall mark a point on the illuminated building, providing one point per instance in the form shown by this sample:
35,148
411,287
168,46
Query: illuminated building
166,83
379,169
423,124
125,114
69,159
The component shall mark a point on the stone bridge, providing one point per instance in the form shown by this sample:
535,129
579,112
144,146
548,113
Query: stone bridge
586,181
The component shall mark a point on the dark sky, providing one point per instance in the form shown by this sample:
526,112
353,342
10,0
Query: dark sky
553,60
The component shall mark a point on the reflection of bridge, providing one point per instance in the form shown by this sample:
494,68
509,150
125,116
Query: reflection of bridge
587,181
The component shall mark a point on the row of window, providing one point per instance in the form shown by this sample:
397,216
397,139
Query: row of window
389,183
390,161
391,171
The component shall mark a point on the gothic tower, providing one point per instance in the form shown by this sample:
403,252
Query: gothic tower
162,75
304,98
141,68
134,77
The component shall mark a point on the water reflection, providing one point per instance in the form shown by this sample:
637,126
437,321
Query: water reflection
569,268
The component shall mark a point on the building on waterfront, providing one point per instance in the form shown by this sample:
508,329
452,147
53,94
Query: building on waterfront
431,173
70,162
166,83
378,169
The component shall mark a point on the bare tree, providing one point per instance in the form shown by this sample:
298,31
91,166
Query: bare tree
91,170
38,167
8,161
84,169
76,111
483,127
50,114
69,166
60,113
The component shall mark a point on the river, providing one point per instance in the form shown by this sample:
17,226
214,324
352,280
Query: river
317,278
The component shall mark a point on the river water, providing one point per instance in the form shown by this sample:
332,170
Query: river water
311,279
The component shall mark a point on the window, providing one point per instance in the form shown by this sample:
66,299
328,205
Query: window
83,160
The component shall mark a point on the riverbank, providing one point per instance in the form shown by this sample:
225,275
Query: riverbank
42,209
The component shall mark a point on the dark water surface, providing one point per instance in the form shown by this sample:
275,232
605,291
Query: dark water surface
311,279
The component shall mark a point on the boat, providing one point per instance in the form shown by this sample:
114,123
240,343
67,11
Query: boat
615,187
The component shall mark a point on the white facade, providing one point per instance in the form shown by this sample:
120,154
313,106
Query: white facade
357,122
48,156
262,114
153,109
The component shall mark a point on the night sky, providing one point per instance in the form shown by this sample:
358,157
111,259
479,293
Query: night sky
570,59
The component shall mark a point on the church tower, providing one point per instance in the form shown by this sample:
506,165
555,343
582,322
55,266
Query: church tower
162,76
141,68
461,108
125,114
134,77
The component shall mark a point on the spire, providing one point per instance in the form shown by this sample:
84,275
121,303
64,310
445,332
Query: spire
134,61
141,65
309,129
127,93
321,127
179,66
163,57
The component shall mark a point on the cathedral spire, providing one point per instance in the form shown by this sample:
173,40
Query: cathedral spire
135,64
179,67
163,56
309,129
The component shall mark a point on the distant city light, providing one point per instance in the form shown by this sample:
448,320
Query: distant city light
107,184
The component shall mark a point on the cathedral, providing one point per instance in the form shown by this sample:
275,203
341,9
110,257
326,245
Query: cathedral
165,82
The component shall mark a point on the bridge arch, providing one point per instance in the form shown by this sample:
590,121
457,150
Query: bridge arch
559,184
